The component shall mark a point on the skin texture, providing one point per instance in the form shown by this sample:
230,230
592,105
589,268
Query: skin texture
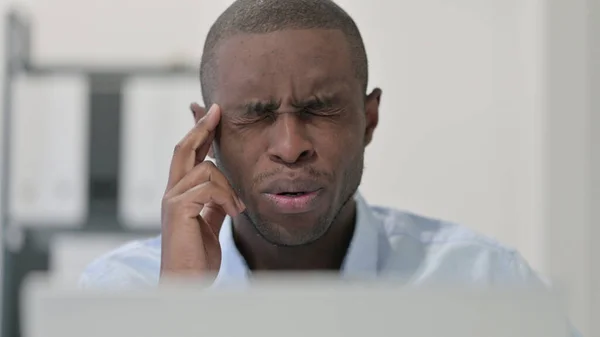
292,114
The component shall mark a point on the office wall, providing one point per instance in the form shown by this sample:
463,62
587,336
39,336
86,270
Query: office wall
472,113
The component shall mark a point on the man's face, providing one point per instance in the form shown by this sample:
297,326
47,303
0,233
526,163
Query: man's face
294,127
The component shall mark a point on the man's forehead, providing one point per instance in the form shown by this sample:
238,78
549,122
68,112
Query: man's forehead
306,59
273,39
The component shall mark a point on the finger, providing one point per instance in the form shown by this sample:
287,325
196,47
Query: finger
210,193
203,149
203,172
199,112
213,215
212,250
184,155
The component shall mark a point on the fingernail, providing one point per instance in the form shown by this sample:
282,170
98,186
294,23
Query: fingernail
212,109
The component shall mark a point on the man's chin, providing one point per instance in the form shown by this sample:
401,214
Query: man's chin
291,229
286,236
298,222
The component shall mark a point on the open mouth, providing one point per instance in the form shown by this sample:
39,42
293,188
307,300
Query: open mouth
293,202
292,194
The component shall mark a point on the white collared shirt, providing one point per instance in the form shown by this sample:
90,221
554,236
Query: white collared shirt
386,242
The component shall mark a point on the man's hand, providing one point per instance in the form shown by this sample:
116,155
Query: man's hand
197,199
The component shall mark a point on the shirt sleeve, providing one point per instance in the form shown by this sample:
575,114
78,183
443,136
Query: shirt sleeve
106,274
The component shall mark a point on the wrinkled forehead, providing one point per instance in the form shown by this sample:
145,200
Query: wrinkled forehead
282,63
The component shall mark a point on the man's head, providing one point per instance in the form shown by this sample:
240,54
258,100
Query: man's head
290,77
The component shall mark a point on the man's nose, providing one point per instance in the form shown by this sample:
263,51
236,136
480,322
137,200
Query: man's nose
289,142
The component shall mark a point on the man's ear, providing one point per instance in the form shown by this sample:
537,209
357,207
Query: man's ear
198,112
372,102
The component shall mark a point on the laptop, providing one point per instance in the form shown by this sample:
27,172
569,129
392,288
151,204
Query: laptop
290,307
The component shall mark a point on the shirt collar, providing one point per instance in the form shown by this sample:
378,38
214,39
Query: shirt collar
361,259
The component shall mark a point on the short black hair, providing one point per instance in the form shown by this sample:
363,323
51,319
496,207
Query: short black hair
265,16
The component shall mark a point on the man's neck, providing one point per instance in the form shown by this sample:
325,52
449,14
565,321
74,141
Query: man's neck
327,253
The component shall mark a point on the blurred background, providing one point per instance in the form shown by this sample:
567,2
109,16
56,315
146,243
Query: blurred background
490,118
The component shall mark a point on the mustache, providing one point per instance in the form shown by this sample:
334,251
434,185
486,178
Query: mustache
309,171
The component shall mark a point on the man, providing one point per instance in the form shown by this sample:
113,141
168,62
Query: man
288,123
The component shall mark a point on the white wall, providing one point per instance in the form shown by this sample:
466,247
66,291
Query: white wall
461,81
472,113
567,153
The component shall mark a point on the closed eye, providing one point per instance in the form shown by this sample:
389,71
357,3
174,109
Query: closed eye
323,111
319,107
254,118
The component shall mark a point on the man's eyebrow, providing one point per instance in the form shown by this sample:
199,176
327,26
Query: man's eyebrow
322,99
261,106
326,98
